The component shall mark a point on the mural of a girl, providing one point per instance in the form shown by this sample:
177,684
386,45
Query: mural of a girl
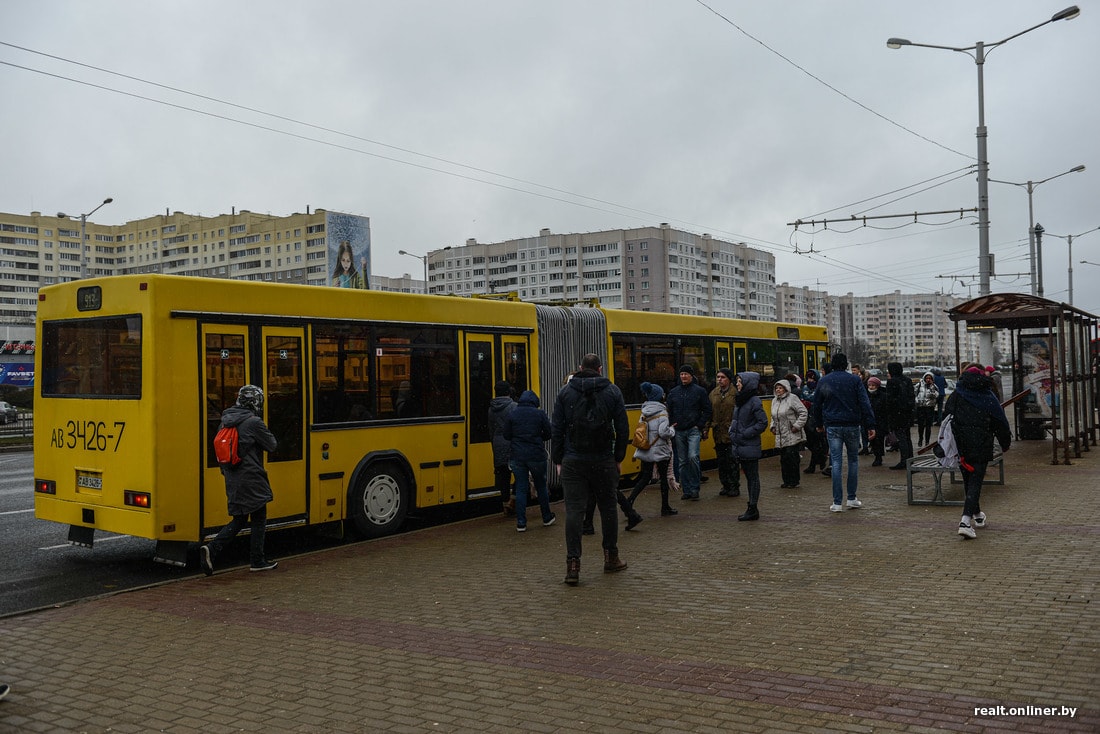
345,275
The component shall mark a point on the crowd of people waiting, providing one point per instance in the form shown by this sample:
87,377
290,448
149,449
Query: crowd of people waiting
841,410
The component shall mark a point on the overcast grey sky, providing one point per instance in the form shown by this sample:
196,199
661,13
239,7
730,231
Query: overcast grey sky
494,118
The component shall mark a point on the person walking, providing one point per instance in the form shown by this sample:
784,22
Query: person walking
900,401
877,395
247,488
660,433
815,442
527,429
842,410
589,433
721,414
788,420
499,408
976,419
749,421
927,395
689,412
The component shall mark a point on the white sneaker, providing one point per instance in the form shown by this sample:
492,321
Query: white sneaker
979,520
836,508
854,503
966,531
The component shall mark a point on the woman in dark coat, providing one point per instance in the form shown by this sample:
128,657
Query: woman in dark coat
977,417
749,421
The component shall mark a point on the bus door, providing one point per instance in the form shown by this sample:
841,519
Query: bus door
481,376
225,370
722,356
284,383
810,359
740,357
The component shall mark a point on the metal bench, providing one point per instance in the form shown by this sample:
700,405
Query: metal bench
928,463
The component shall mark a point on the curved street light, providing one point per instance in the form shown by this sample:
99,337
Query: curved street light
1035,247
1069,242
979,52
424,260
83,226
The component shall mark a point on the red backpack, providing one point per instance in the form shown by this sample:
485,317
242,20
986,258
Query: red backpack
226,443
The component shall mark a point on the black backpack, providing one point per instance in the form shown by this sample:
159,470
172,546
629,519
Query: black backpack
590,427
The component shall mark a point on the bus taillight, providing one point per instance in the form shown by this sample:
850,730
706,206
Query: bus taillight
45,486
136,499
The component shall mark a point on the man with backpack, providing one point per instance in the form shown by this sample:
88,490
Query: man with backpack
589,433
247,489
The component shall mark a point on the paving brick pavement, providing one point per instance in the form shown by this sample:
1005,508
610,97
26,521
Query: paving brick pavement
877,619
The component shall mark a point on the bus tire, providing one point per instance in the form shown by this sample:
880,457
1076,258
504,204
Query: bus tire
379,502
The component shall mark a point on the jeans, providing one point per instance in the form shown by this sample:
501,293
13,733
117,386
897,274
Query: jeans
687,457
972,481
257,528
841,438
537,471
751,467
728,472
579,481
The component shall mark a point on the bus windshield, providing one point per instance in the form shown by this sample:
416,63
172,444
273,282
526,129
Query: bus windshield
92,358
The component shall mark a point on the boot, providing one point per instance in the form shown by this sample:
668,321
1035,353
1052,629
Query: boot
667,511
750,514
611,562
572,571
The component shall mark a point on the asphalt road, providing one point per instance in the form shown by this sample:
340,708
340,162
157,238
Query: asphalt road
41,569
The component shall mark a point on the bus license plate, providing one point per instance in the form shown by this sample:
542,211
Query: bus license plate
88,480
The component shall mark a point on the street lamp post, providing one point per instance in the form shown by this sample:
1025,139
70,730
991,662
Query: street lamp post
83,227
1035,248
985,343
423,259
1069,243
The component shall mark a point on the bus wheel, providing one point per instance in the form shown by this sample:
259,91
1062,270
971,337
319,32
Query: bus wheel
380,502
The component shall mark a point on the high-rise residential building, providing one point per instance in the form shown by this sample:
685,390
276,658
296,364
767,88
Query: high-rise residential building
911,328
43,249
643,269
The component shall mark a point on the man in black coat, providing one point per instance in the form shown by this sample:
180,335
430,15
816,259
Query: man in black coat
589,433
901,401
247,488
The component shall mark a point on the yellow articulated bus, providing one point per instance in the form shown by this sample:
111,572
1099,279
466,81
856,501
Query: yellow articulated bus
379,401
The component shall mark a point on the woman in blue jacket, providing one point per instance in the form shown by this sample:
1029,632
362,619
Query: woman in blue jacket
749,421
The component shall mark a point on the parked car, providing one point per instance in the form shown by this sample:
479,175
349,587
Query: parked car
8,413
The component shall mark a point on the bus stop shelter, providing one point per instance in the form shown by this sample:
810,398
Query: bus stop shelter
1051,359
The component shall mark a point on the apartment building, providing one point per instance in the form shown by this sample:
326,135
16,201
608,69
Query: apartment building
42,249
644,269
911,328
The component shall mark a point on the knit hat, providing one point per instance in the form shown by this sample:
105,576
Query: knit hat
975,370
874,382
727,372
652,392
687,368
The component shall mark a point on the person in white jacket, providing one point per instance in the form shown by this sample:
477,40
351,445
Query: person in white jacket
660,446
789,417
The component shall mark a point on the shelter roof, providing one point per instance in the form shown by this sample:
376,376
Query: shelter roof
1013,311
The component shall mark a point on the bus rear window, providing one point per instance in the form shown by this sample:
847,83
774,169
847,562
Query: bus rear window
92,358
